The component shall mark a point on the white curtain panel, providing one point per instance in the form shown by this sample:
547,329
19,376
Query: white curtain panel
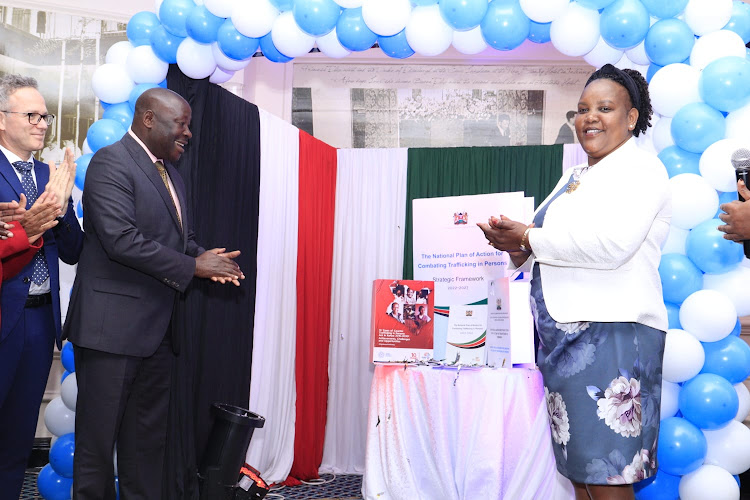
368,245
573,154
272,386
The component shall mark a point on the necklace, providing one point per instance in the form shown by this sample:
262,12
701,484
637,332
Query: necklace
573,184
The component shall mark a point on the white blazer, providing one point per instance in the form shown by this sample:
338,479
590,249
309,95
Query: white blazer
599,247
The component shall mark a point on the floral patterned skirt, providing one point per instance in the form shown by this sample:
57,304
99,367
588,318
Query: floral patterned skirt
603,387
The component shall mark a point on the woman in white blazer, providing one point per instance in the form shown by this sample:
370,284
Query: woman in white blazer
594,251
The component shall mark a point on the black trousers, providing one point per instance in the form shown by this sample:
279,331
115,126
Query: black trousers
122,401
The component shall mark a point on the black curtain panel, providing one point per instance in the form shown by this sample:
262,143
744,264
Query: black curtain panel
214,322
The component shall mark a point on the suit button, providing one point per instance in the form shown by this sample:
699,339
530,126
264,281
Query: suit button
26,279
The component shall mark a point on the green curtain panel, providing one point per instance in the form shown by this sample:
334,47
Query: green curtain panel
437,172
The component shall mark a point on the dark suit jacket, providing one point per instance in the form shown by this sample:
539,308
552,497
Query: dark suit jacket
64,241
135,259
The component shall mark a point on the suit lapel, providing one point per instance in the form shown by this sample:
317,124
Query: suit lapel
42,178
9,173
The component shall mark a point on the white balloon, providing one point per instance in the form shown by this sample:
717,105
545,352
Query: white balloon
670,394
733,284
672,87
729,447
544,11
426,31
744,396
69,391
349,4
144,66
662,133
111,83
220,8
675,242
289,38
705,16
58,418
713,46
625,62
716,164
683,356
638,54
195,59
709,481
575,31
386,17
693,200
469,42
225,62
329,45
220,76
118,53
602,54
708,315
254,18
86,149
738,123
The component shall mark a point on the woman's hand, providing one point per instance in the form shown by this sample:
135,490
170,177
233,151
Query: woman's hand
504,234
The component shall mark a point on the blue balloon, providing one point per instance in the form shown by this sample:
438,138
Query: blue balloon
61,455
709,251
82,164
174,14
234,44
678,161
595,4
52,486
352,31
662,486
681,447
140,27
79,214
737,329
652,69
316,17
163,83
725,83
679,277
66,372
664,8
505,26
103,133
66,356
270,51
120,112
283,5
202,26
708,401
165,44
740,21
673,315
624,24
419,3
104,105
462,15
539,32
669,41
396,46
696,126
136,93
728,358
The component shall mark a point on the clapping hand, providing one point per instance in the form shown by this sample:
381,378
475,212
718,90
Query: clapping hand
62,178
10,211
41,216
218,265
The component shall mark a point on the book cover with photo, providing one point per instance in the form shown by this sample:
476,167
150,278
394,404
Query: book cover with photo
402,327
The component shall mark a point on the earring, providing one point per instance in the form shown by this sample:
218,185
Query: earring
631,127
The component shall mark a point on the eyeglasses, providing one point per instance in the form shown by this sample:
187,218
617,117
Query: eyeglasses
35,118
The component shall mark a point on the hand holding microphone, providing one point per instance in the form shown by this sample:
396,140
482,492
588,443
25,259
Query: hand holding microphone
737,213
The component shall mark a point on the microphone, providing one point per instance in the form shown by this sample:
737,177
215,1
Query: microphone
741,163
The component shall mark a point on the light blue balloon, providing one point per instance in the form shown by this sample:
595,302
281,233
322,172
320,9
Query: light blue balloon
673,316
595,4
316,17
725,197
669,41
709,251
678,161
234,44
652,69
664,8
52,486
165,44
120,112
140,27
396,46
82,165
696,126
740,20
283,5
679,277
681,447
737,329
61,455
79,214
539,32
103,133
728,358
202,26
662,486
136,93
724,83
462,15
708,401
66,357
418,3
352,31
505,26
624,24
174,15
270,51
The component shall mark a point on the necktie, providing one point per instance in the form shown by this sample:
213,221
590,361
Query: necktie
163,173
40,271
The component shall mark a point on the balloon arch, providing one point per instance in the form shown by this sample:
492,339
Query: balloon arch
694,55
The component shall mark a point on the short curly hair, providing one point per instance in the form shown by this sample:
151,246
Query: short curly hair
10,83
644,107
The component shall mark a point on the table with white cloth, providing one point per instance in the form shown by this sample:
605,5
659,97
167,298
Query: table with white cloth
474,433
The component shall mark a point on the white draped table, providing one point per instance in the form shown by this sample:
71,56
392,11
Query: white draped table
481,435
